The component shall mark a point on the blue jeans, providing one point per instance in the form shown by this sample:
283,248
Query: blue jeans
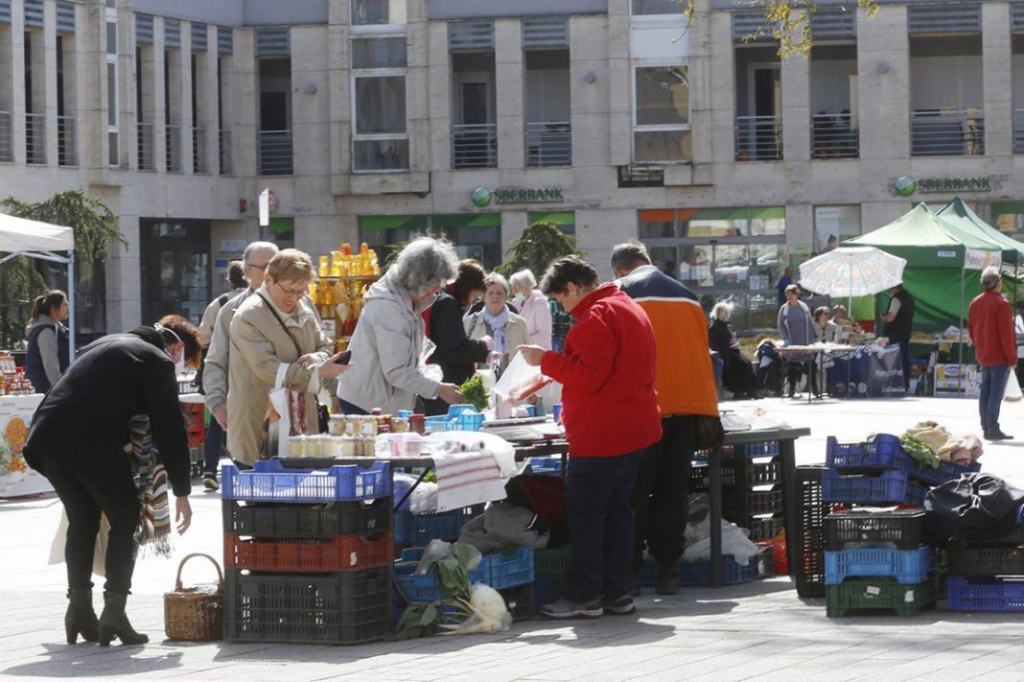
598,493
993,386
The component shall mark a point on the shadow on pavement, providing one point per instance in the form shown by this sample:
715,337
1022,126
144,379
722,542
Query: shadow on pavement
91,660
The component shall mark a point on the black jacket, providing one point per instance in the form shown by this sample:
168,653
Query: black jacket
82,423
902,325
455,352
720,338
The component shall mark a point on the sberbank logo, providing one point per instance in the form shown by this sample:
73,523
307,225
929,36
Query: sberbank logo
904,185
481,196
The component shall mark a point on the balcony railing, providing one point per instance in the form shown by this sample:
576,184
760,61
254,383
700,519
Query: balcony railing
275,152
225,153
549,144
172,140
35,138
6,148
758,138
475,145
147,153
1018,131
947,132
199,150
834,136
67,141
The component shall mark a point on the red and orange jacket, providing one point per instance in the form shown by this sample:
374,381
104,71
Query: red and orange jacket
990,324
607,370
685,380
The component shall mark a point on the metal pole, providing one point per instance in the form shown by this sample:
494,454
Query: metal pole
71,305
960,331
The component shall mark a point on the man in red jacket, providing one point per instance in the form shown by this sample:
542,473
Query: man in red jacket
611,417
990,324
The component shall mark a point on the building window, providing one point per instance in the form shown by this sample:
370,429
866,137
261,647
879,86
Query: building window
474,235
381,138
734,254
377,12
661,114
113,94
648,7
833,225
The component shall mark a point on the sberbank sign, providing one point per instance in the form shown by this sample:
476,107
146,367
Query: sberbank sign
483,196
955,184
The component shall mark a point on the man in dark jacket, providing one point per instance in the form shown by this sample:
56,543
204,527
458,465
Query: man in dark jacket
990,325
899,325
611,417
77,440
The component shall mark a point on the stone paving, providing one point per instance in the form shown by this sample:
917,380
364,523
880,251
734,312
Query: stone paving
758,630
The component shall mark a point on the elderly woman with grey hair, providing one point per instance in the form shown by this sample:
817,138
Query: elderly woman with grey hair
738,374
387,347
507,330
533,307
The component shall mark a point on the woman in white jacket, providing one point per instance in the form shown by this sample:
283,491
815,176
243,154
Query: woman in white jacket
506,330
387,347
533,307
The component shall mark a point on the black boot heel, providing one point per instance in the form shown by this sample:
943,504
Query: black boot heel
114,623
80,618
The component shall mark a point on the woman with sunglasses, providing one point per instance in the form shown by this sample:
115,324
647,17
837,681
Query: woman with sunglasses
77,440
276,342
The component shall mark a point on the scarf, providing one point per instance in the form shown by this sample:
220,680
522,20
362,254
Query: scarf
154,529
497,323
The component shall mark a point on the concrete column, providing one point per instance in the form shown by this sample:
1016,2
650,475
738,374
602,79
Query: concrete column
17,65
184,103
796,108
48,76
508,79
722,92
883,85
997,74
128,83
340,102
418,96
208,108
438,77
245,104
620,84
588,91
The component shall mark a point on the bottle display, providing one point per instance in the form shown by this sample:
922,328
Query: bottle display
338,295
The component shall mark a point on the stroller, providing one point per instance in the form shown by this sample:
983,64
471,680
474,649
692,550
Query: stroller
769,369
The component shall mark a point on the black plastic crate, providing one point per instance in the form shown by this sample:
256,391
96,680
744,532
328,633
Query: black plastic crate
973,560
519,601
306,521
337,608
902,528
743,503
750,473
809,573
762,527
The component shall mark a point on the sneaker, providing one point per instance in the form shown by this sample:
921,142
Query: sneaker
210,483
623,606
563,608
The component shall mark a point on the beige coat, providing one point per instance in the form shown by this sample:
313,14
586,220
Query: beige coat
260,351
516,333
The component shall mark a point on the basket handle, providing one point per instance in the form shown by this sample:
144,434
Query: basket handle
220,576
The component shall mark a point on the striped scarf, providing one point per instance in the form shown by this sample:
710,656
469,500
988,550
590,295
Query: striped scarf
154,530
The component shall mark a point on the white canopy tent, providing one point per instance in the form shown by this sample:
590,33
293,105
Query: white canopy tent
23,237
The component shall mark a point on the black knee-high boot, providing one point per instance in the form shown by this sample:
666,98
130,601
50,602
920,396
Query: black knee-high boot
81,618
114,622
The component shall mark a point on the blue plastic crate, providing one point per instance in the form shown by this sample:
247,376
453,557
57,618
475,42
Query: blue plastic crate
547,464
419,529
885,452
985,594
908,566
269,480
698,574
497,569
466,421
889,486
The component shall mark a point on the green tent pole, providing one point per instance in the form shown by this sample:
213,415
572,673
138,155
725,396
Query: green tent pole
960,331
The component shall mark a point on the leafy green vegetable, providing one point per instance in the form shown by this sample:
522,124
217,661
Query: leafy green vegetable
475,393
919,450
452,575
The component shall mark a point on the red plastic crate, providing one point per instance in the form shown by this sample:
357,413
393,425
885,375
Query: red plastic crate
341,553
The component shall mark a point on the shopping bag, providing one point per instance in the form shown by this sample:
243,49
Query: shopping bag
520,380
99,554
1012,393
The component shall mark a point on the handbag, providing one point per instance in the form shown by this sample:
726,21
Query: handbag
195,614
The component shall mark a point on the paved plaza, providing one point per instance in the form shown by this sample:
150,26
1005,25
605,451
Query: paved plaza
760,630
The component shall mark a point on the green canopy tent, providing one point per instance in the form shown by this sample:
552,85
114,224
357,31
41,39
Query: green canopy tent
960,215
935,249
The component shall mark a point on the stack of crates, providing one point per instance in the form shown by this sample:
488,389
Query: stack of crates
308,553
809,573
877,559
988,575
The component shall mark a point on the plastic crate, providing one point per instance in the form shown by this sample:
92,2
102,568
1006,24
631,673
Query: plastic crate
985,594
809,573
749,472
342,553
885,452
740,503
968,560
307,521
519,601
762,527
870,593
269,480
902,528
550,567
338,608
419,529
547,464
733,572
497,569
769,448
907,566
889,486
466,421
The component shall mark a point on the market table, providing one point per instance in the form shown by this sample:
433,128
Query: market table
814,354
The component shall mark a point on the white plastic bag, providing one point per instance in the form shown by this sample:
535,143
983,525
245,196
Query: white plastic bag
734,542
520,380
1013,393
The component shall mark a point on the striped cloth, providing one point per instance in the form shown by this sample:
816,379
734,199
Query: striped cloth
154,531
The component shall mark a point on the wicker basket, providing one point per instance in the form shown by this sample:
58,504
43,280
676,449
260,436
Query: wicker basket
195,614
